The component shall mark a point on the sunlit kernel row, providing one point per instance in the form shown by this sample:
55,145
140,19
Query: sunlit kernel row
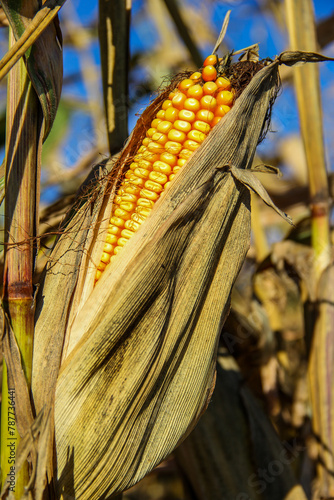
178,129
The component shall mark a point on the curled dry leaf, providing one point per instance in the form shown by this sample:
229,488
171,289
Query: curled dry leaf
141,350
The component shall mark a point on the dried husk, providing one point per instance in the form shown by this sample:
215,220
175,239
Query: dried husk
141,352
143,349
234,452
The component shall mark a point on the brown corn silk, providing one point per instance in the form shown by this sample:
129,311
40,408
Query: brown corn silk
138,351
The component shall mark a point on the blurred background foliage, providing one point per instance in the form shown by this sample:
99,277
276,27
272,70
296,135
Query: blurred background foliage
270,348
78,138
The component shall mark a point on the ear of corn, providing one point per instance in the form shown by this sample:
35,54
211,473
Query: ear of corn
178,129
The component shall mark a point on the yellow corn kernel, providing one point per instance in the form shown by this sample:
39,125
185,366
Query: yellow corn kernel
153,186
161,166
185,84
196,91
116,221
117,199
155,123
132,225
223,83
208,102
190,144
160,138
147,165
144,202
129,188
201,126
171,114
181,162
127,206
147,155
164,127
192,104
209,88
185,154
113,231
196,135
122,214
182,125
155,147
158,177
173,147
111,239
121,242
176,135
225,97
166,104
143,211
105,257
205,115
222,110
128,197
141,172
139,219
196,76
133,179
127,233
150,132
161,114
186,115
108,248
150,195
179,100
168,158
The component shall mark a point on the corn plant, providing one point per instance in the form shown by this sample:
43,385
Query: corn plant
112,362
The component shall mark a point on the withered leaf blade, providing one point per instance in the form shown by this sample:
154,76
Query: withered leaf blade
44,61
236,433
143,349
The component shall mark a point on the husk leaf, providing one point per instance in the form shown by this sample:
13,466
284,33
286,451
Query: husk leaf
237,433
143,348
140,360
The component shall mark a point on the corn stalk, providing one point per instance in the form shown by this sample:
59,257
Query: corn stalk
302,33
114,24
29,94
20,228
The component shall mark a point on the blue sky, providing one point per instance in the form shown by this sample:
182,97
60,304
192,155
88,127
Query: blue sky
245,28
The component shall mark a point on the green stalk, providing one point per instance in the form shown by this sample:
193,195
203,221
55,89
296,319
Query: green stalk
302,33
300,20
20,228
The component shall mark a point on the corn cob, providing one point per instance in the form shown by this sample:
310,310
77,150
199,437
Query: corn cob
178,129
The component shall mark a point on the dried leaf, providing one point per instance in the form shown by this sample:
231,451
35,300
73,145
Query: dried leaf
236,433
44,58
